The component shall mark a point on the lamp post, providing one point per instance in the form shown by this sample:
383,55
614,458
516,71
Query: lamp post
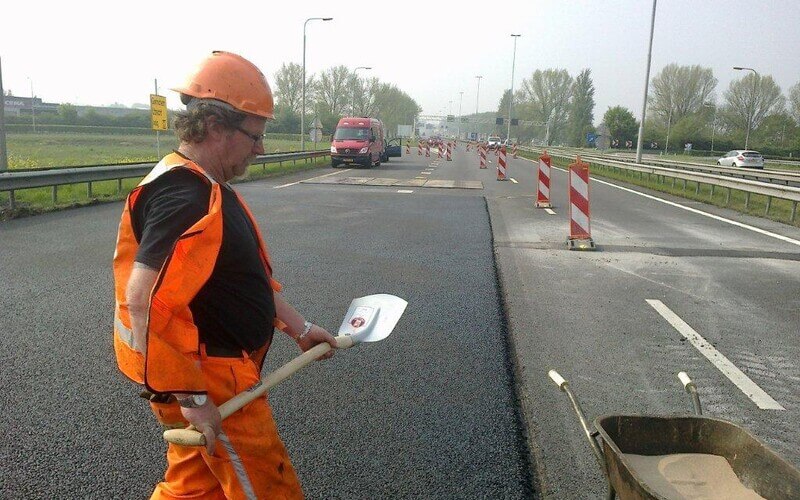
752,111
669,125
477,99
511,95
355,71
3,154
713,122
460,98
646,84
33,111
303,110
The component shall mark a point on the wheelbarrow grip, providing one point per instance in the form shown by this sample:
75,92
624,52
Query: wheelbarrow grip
558,379
685,380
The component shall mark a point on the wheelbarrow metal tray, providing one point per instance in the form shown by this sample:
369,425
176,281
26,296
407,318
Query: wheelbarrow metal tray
757,467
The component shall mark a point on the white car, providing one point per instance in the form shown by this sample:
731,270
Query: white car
742,158
493,142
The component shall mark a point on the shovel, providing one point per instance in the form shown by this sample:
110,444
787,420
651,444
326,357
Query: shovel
369,319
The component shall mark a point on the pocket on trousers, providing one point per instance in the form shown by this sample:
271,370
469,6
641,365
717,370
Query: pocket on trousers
169,415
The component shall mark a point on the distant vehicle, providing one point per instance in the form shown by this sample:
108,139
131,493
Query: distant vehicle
359,141
742,158
493,142
435,141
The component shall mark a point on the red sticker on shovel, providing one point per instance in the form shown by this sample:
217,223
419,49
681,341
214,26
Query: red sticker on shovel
357,322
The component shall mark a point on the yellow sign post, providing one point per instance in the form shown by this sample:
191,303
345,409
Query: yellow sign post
158,112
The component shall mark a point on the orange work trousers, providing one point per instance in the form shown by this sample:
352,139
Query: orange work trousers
250,460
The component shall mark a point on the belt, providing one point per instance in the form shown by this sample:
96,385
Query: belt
225,352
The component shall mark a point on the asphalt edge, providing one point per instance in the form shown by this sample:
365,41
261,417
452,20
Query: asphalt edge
526,446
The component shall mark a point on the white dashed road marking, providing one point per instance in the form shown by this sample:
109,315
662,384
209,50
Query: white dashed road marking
735,375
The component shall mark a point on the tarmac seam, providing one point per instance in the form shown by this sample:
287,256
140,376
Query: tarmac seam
526,446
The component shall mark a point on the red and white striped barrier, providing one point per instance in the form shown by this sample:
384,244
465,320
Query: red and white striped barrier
468,145
514,151
419,149
501,165
449,152
427,150
580,236
482,154
543,192
439,153
408,150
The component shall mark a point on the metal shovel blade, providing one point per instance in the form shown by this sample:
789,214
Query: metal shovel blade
372,318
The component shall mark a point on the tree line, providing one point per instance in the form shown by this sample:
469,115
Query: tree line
334,93
555,108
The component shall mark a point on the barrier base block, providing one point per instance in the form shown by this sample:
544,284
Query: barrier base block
544,204
585,244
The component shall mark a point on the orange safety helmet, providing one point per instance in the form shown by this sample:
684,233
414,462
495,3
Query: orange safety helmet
232,79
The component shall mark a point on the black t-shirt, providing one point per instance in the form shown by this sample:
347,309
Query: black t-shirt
235,308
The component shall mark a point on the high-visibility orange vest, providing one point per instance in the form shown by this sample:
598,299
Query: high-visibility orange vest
163,357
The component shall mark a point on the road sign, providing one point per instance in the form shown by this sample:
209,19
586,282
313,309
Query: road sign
590,137
451,118
498,121
514,122
158,112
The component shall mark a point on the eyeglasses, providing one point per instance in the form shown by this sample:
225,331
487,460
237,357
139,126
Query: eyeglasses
256,137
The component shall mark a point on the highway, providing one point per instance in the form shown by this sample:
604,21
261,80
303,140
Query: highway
456,403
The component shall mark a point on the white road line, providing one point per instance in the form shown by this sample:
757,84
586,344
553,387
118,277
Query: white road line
405,191
735,375
425,173
549,211
312,178
513,180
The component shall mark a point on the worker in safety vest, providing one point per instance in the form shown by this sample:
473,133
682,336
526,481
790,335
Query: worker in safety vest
196,303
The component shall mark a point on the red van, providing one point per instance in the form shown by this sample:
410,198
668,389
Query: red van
358,141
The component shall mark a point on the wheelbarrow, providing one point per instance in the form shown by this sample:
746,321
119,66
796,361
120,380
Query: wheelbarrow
683,456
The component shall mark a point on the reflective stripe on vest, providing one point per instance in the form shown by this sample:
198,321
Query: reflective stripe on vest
126,335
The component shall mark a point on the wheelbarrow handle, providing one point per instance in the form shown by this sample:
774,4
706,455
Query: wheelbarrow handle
558,379
685,380
691,389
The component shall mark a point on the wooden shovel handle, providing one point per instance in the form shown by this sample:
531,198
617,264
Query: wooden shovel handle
191,437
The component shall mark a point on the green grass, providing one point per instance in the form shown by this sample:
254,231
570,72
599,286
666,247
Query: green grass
46,150
780,210
70,150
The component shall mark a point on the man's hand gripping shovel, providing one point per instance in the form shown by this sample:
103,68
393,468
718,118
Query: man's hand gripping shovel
369,319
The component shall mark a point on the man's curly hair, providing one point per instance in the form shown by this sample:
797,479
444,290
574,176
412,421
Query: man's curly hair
191,125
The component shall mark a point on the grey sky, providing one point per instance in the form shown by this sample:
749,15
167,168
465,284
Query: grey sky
103,52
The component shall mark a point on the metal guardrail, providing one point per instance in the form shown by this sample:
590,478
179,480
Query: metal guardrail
13,181
749,187
783,176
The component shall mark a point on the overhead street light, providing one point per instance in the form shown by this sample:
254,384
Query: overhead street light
713,122
511,95
3,154
33,112
303,110
752,111
646,84
461,98
477,99
355,71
